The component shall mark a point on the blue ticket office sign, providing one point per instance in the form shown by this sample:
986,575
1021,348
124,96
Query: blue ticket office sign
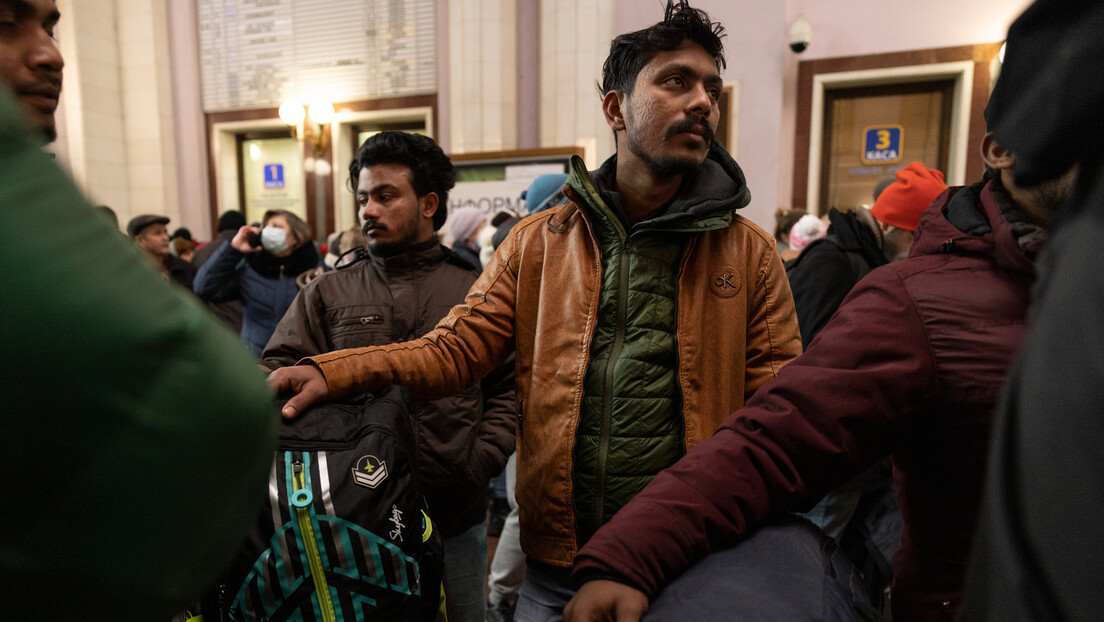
274,176
882,144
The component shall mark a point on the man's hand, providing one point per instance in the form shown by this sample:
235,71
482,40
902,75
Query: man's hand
606,601
306,384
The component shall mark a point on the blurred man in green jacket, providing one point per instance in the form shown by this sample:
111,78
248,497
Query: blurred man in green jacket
136,431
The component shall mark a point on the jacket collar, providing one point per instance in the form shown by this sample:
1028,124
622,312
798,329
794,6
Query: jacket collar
979,219
706,200
416,257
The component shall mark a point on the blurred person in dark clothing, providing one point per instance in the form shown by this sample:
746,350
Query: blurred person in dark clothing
108,518
259,266
149,233
228,311
1040,547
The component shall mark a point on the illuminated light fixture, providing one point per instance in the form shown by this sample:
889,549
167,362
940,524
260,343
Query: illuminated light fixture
292,113
1000,54
320,114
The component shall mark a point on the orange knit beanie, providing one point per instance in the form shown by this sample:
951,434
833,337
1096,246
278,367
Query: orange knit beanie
902,202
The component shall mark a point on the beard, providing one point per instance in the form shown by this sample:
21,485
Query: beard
896,244
666,165
1049,196
408,237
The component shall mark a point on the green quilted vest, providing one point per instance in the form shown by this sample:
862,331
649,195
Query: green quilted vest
631,424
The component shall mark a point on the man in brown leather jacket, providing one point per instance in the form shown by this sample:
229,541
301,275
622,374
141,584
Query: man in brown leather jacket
642,311
397,290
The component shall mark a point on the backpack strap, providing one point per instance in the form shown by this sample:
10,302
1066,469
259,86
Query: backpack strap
859,266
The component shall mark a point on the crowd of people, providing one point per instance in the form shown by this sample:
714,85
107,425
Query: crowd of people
693,418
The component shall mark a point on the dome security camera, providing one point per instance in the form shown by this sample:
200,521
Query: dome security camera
801,32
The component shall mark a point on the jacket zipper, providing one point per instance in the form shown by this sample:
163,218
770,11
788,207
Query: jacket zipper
221,601
683,260
607,399
576,201
373,319
302,504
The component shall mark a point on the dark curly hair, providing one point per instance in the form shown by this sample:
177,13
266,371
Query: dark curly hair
630,52
430,169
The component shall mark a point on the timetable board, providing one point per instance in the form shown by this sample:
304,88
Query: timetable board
258,53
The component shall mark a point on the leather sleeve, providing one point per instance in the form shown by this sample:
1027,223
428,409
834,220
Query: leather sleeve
466,345
827,416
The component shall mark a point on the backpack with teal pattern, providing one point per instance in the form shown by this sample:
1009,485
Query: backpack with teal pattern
345,534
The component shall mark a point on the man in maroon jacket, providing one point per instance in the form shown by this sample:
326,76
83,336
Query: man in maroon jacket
911,366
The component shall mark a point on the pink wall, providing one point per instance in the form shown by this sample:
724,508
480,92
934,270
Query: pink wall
758,56
851,27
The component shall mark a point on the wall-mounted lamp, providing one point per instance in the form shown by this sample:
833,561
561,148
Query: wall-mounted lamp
320,113
292,113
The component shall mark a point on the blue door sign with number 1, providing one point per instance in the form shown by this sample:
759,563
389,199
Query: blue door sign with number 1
274,176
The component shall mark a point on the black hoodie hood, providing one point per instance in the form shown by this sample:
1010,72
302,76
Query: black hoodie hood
707,198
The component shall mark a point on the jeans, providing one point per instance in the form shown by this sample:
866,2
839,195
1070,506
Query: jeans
786,570
465,569
544,594
834,511
508,565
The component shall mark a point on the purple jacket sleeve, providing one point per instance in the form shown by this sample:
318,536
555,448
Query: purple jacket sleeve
828,415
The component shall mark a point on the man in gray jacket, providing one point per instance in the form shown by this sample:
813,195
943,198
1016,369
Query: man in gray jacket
396,291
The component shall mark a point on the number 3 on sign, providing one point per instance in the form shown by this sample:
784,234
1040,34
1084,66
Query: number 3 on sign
882,144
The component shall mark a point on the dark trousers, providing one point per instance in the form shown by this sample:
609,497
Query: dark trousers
787,570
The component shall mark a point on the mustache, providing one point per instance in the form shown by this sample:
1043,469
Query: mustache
48,81
689,124
372,224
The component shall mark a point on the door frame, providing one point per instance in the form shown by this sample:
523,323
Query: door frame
970,67
329,205
961,73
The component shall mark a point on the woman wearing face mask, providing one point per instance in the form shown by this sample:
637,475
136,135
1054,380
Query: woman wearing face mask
259,267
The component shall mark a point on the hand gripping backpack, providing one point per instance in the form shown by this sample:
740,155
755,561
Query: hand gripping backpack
345,534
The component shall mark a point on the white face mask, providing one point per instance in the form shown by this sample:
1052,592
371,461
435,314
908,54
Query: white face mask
274,240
